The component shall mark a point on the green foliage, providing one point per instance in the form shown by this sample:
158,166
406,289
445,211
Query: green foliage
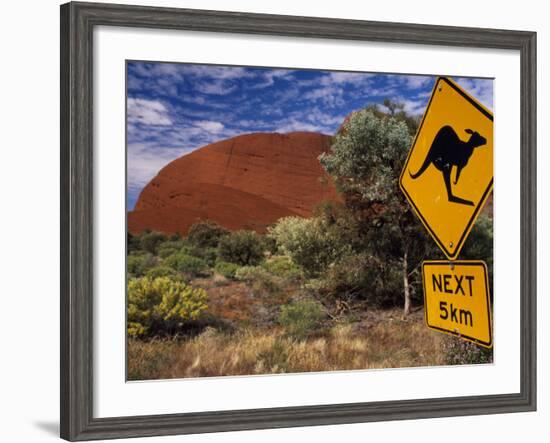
261,281
226,269
187,264
283,266
270,245
363,277
242,247
138,263
368,154
161,305
365,160
150,241
170,247
132,243
310,243
397,110
461,352
161,271
206,234
301,318
209,255
479,245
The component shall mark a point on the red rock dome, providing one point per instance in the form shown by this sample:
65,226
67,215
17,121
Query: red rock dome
246,182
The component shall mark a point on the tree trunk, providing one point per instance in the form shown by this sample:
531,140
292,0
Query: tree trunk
406,288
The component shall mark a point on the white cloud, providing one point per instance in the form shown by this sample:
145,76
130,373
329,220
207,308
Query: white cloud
145,161
414,107
215,87
268,77
294,126
148,112
324,119
330,95
353,78
210,126
216,72
482,89
418,81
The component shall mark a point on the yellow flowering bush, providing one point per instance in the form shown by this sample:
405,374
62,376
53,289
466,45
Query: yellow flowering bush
160,305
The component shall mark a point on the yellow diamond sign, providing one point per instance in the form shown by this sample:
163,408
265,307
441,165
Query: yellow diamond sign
448,174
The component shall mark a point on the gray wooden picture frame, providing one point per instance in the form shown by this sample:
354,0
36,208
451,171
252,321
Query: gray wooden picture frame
77,24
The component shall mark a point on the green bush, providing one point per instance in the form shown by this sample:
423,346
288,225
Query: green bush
160,271
364,277
133,243
161,305
460,352
270,245
226,269
242,247
258,278
170,247
187,264
150,241
283,266
138,263
209,255
301,318
206,234
310,242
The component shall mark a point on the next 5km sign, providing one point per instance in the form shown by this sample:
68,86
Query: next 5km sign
457,299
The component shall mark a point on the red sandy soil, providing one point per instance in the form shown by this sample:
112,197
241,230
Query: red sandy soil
246,182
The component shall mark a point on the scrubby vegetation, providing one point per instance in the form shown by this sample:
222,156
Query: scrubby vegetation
339,290
390,342
161,305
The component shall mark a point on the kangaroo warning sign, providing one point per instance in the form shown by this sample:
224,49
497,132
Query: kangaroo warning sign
448,174
457,299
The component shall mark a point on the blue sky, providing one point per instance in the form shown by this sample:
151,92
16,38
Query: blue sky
173,109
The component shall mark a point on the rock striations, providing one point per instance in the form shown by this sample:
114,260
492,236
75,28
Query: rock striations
246,182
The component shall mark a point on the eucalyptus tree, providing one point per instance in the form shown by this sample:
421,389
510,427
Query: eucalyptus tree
365,161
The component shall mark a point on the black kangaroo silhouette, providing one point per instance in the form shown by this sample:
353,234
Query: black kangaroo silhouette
446,151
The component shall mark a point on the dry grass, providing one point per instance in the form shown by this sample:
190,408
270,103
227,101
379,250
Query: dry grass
388,342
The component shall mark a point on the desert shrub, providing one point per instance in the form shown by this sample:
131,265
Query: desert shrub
162,305
258,278
301,318
206,234
226,269
457,351
138,263
170,247
161,271
187,264
209,255
270,245
311,243
242,247
133,243
363,277
150,241
283,266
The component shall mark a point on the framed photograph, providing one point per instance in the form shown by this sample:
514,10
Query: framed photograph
275,221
